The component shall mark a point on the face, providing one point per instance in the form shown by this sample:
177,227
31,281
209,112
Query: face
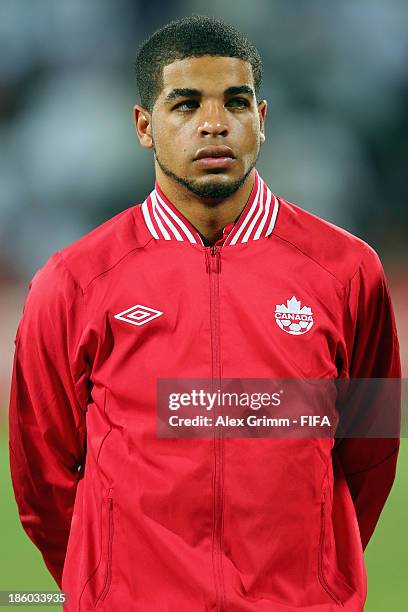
205,127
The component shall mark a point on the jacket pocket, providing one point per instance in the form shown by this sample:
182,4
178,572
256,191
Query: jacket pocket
107,542
320,562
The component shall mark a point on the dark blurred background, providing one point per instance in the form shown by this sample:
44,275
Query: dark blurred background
337,127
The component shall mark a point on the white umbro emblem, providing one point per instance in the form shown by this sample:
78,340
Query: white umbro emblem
138,315
292,318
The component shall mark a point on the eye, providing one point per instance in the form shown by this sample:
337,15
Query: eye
239,102
186,105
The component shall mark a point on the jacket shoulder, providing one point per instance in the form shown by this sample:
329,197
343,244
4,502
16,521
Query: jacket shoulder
105,246
335,249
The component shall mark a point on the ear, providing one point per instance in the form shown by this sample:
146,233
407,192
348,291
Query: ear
262,106
143,126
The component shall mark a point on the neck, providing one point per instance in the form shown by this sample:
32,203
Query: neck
208,215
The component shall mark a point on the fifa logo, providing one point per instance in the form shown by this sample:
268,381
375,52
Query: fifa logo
292,318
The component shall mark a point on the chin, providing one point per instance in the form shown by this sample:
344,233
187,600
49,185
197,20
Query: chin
215,185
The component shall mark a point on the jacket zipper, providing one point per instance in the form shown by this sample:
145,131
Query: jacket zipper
213,262
108,575
322,578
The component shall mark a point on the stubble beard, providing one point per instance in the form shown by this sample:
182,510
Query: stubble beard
207,190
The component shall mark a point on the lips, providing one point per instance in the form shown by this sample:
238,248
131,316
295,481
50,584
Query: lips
214,151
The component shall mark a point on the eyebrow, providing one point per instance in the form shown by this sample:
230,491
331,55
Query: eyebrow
184,92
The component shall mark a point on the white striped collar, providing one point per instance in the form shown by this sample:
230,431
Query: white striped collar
257,219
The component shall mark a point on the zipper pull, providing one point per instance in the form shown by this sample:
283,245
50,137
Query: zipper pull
215,259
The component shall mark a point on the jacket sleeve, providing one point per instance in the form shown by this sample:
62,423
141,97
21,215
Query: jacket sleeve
369,463
49,392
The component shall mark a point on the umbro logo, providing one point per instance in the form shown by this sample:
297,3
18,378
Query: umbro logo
292,318
138,315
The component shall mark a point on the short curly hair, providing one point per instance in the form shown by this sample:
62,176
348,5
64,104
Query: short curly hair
191,36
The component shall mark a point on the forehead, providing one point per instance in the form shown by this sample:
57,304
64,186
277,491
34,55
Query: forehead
207,73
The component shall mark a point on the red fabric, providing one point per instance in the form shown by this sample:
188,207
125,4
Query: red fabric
128,521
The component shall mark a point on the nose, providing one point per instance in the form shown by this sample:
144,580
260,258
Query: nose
212,122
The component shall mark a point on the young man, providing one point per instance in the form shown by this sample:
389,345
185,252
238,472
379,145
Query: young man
193,283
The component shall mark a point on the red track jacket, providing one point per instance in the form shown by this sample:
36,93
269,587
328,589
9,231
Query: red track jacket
129,521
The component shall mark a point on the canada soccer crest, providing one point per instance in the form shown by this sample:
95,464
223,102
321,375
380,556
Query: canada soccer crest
292,318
